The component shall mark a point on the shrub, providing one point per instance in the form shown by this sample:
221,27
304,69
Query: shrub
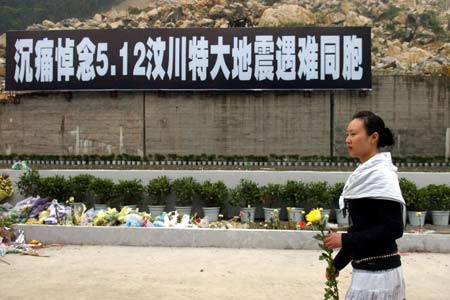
102,190
55,187
28,183
335,193
272,195
246,193
438,196
80,187
318,194
157,189
127,192
213,194
295,194
411,195
185,188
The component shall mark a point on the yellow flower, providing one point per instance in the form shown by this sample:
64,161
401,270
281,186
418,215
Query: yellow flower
288,208
314,216
418,214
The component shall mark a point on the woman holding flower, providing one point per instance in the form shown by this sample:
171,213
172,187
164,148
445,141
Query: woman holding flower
375,204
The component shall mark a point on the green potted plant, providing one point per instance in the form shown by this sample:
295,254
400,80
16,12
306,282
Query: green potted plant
296,198
102,190
439,199
186,189
28,183
55,187
127,193
319,196
213,196
246,195
157,190
271,198
336,191
80,189
415,200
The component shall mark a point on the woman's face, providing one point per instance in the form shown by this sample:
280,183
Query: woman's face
359,143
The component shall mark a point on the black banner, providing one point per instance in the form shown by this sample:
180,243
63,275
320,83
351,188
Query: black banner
294,58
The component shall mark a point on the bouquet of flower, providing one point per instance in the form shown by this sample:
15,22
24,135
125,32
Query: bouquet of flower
6,187
314,218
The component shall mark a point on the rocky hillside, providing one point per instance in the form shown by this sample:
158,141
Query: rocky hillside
408,36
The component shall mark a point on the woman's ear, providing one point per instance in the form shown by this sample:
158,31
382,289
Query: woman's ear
375,137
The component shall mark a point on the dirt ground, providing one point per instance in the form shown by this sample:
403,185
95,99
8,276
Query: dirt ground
100,272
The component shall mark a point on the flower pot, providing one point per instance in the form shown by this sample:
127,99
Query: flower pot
295,214
440,217
341,220
268,213
183,210
415,220
212,213
99,207
156,210
249,214
326,212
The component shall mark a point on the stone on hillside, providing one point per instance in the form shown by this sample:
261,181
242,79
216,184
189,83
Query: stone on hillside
133,10
98,18
425,37
112,15
401,20
142,25
175,15
152,13
228,13
388,63
3,41
393,50
434,65
78,25
286,15
413,56
116,25
185,24
205,22
103,25
217,11
334,18
444,50
353,19
48,24
142,17
70,22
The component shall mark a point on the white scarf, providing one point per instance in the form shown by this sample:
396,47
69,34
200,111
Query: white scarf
376,178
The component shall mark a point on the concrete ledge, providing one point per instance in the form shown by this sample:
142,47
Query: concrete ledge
221,238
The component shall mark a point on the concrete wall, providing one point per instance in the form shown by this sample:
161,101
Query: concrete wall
259,123
416,108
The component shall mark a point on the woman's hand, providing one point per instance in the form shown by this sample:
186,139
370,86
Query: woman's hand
333,240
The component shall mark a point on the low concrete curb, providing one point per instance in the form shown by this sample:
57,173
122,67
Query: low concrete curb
221,238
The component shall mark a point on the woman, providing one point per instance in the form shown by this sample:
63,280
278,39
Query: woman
375,204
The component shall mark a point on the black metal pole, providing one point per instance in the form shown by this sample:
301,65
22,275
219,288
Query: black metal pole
144,146
331,123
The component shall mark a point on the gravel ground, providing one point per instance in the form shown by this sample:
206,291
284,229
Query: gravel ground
96,272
